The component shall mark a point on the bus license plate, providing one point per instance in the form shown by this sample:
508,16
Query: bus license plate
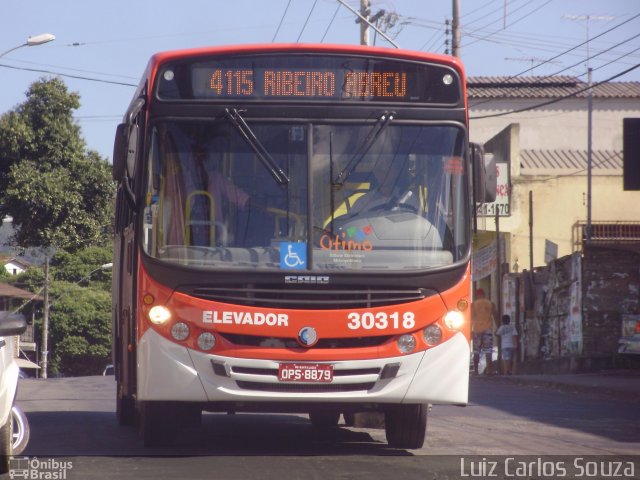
297,372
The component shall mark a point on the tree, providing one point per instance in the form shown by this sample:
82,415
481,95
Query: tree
58,192
80,329
80,310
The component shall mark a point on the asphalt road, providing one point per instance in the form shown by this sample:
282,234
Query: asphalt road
73,420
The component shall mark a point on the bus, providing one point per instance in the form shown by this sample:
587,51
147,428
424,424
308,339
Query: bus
293,234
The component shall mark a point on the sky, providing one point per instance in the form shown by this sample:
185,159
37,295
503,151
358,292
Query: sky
107,44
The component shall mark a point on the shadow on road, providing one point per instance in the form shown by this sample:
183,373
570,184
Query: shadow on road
97,433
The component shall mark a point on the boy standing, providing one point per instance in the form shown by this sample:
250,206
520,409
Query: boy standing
508,343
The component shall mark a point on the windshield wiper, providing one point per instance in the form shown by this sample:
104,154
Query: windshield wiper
247,134
382,123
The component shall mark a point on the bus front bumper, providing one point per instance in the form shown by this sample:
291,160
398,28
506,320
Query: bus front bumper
170,372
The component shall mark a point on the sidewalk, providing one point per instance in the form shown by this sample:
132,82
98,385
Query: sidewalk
621,384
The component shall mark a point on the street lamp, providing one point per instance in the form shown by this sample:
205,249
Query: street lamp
32,42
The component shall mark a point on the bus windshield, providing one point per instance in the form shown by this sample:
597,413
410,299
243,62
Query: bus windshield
390,196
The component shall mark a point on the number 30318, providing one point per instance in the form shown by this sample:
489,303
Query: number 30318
381,320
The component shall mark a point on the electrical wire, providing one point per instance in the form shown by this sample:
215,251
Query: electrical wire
511,24
331,22
502,17
307,20
281,20
78,77
592,57
572,48
477,9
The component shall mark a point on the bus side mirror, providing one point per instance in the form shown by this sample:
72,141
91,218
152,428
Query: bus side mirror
12,324
120,152
125,147
484,175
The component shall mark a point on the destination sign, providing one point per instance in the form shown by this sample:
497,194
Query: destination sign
310,78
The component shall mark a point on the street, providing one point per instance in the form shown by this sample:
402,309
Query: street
73,420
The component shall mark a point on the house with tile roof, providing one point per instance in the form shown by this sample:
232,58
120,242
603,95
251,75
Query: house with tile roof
537,127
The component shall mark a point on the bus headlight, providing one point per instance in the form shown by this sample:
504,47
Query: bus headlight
159,315
432,334
180,331
454,320
206,341
406,343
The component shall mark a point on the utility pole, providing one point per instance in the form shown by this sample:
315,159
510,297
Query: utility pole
589,152
588,18
365,10
45,321
455,29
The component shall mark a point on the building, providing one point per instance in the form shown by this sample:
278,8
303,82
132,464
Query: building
542,148
574,308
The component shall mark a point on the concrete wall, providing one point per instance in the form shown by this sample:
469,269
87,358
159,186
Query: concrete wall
611,289
561,125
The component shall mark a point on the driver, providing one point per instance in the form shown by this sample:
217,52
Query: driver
391,189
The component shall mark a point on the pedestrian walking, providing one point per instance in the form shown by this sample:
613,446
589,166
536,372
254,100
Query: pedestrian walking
508,344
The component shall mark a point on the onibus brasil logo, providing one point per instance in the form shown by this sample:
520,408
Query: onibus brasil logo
39,469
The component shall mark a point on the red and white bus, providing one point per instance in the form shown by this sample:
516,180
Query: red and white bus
293,234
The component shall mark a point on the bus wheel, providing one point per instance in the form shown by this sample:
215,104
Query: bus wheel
406,425
21,430
324,418
157,425
126,411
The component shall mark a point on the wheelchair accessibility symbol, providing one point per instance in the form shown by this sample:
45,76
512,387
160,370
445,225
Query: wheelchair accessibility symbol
293,256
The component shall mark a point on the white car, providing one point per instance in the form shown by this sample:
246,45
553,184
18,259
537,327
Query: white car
12,420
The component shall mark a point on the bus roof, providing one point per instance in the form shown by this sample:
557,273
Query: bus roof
162,57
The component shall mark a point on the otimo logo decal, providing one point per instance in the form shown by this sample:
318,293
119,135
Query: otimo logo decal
351,239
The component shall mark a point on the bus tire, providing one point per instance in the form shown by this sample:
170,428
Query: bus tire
406,425
126,411
324,418
21,431
157,425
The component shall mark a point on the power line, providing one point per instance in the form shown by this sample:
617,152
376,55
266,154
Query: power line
496,21
573,48
477,9
558,99
330,23
512,23
594,56
307,20
281,20
78,77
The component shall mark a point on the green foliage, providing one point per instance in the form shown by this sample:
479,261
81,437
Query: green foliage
80,309
76,267
80,329
58,193
31,279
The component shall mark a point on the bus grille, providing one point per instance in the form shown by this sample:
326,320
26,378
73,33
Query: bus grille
273,342
305,298
304,387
